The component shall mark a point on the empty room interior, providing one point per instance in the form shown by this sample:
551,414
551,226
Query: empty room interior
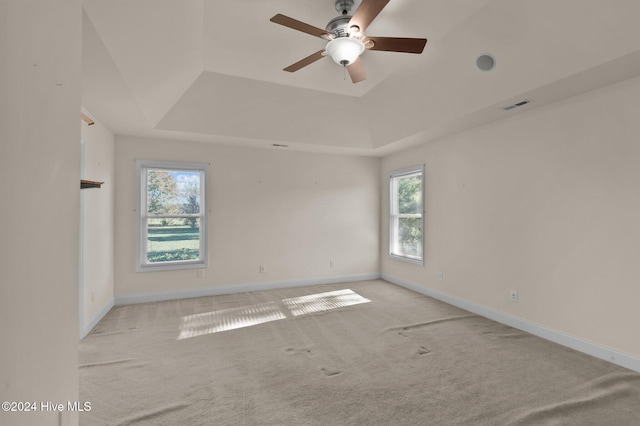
320,212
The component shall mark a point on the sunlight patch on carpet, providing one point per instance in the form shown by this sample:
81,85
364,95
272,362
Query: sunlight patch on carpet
229,319
247,316
323,302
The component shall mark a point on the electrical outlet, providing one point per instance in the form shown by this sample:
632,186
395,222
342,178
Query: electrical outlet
332,264
262,269
440,276
514,296
200,273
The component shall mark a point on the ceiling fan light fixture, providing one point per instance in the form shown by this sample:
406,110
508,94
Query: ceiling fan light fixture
346,37
344,50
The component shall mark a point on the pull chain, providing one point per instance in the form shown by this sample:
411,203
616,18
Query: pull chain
344,71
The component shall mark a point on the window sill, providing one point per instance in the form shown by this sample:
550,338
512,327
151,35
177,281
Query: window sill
172,267
413,261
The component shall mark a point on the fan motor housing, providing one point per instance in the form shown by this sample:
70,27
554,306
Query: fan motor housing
338,26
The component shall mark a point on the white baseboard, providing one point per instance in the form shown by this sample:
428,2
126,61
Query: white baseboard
89,326
246,288
581,345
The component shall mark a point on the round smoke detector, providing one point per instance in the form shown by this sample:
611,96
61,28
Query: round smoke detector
486,62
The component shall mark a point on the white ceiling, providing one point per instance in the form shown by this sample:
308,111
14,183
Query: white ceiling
211,71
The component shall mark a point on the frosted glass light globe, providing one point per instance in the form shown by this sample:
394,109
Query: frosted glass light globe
344,50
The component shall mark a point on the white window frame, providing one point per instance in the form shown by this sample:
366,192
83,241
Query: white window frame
394,216
142,216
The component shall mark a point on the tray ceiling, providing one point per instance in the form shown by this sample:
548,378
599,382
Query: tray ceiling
211,71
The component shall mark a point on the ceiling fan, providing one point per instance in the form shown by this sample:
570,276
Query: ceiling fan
346,38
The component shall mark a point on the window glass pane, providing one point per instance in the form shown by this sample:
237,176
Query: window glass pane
406,239
173,192
173,239
410,236
188,184
410,194
172,223
162,193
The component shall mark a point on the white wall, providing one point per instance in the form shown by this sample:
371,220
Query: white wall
39,205
98,225
547,203
290,211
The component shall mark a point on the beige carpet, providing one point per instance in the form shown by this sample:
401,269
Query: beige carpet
376,355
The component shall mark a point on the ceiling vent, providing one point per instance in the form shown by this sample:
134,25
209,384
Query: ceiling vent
516,105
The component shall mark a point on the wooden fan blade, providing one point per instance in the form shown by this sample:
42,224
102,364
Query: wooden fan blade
306,61
366,13
397,44
357,71
299,25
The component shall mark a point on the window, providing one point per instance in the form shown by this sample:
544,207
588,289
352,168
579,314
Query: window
406,214
172,215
